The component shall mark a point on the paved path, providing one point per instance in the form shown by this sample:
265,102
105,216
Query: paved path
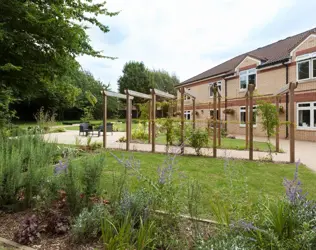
305,151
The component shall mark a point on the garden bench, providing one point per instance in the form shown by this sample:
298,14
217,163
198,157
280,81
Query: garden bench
109,128
85,128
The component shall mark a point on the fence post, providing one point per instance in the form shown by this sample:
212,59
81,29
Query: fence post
214,119
219,120
251,88
149,121
277,130
247,121
104,118
182,121
153,120
128,119
292,125
194,110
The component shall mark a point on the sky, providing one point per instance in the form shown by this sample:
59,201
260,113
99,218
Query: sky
187,37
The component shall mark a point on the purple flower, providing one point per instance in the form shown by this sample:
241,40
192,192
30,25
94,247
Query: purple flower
293,187
60,168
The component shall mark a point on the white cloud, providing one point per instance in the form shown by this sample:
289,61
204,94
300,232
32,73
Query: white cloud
173,34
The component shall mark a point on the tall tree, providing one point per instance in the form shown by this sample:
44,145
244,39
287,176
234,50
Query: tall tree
164,81
39,40
136,77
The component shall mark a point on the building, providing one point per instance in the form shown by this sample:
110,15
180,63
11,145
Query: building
269,68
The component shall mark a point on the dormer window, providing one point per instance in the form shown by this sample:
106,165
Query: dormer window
247,77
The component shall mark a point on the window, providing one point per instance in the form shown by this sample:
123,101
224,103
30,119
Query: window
243,116
306,115
247,77
187,115
187,97
219,85
306,69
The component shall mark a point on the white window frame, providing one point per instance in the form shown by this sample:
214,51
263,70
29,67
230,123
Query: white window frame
217,114
187,98
311,59
247,73
186,114
311,108
254,108
211,84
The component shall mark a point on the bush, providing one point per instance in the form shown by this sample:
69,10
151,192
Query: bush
198,140
25,164
87,225
140,133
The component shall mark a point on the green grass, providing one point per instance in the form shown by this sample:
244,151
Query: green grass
227,143
240,181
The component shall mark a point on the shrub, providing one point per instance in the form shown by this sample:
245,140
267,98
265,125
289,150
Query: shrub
87,225
25,164
28,231
140,133
198,140
45,119
57,130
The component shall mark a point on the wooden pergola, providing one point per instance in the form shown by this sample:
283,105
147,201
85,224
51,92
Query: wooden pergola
216,108
129,94
128,112
288,88
154,94
249,121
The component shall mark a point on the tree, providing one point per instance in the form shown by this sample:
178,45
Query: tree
135,77
269,120
39,41
164,81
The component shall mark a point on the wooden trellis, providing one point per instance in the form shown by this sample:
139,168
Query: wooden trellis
193,106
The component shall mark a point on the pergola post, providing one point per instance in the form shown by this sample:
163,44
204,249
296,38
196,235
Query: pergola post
194,111
292,124
149,121
104,118
251,88
153,119
128,120
219,120
277,130
182,121
247,121
214,119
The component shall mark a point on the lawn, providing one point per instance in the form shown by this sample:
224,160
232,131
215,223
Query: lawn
227,143
240,182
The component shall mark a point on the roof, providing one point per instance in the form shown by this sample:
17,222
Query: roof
269,55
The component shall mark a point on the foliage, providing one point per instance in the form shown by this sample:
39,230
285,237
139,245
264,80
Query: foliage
24,167
57,223
198,140
269,117
137,77
45,119
170,128
28,232
140,133
6,98
87,225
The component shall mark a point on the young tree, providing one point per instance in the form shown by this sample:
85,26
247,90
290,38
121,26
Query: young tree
269,120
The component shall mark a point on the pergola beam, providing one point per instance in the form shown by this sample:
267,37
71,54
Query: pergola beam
137,94
163,94
188,94
117,95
